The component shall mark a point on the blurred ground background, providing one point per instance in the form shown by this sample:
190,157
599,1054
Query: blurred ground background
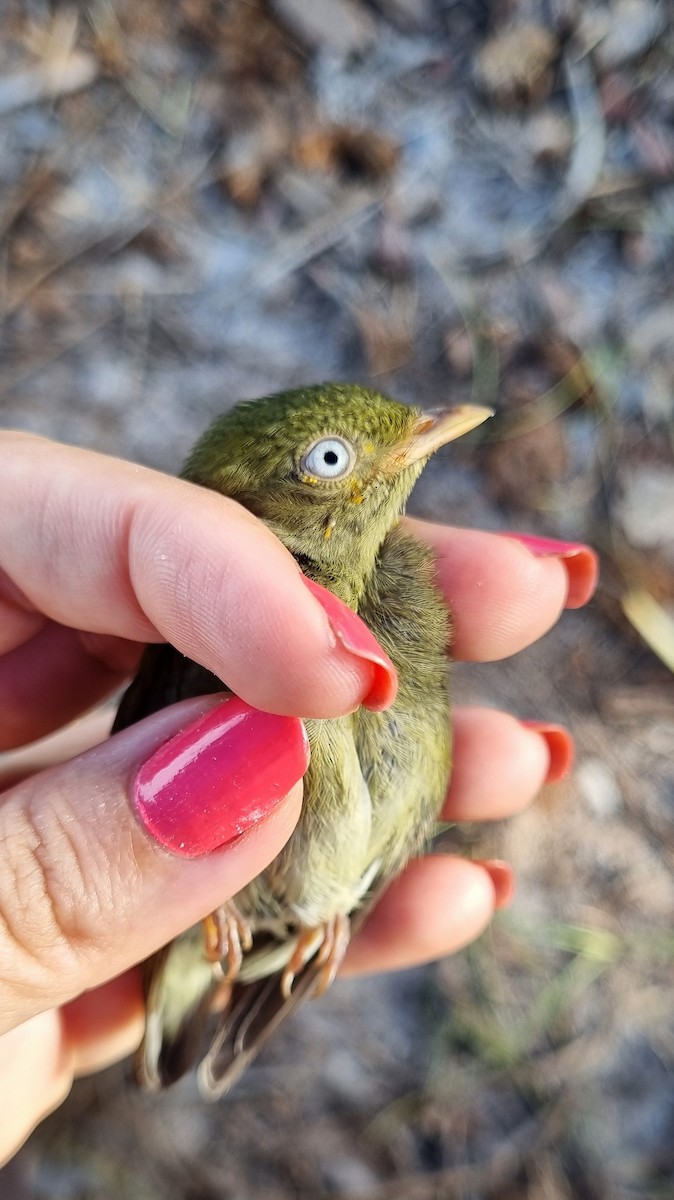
206,200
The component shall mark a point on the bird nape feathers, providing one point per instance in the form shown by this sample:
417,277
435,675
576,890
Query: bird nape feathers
329,469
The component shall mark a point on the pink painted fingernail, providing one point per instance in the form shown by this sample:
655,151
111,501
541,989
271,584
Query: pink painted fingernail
580,561
218,777
354,636
502,877
561,747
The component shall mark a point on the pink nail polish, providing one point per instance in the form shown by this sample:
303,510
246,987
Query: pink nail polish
218,777
560,745
502,877
355,637
580,561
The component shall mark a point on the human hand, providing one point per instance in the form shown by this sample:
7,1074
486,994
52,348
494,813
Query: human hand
98,556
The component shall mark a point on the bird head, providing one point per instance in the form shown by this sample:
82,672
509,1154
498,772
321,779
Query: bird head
329,468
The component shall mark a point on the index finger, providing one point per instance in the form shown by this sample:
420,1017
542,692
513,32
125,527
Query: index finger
97,544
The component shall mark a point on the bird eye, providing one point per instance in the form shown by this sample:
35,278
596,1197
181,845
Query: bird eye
329,458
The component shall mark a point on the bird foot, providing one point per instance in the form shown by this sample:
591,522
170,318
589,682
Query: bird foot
328,943
227,934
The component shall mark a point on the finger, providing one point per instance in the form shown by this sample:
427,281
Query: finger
52,678
74,739
103,546
503,596
580,563
105,1025
36,1077
41,1057
500,764
438,905
91,885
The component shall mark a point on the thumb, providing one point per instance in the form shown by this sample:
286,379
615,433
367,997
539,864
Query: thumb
107,857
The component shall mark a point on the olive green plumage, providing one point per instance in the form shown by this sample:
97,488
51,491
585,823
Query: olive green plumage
376,780
254,453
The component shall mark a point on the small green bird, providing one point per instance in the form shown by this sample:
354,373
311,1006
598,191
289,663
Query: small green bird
329,469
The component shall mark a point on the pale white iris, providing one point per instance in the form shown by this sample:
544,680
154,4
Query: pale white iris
329,458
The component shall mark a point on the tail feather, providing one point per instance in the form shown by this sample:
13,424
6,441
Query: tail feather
256,1011
179,988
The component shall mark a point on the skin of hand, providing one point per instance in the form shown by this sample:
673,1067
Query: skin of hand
97,557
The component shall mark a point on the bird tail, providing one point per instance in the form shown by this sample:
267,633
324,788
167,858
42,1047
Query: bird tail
182,990
179,986
255,1013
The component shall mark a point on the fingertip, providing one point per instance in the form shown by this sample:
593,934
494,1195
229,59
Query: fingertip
357,639
218,777
579,560
500,765
503,879
437,906
473,899
305,652
501,596
560,745
583,571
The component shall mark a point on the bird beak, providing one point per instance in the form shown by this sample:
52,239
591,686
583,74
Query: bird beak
434,429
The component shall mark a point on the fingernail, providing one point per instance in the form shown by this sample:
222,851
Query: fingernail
354,636
502,877
560,745
218,777
580,561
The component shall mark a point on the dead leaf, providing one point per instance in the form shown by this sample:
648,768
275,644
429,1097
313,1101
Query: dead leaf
653,622
247,37
47,80
251,158
550,137
349,151
516,67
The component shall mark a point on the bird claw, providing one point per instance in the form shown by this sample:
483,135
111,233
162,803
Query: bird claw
328,943
227,936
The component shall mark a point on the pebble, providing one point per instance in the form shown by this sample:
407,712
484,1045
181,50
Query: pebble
599,788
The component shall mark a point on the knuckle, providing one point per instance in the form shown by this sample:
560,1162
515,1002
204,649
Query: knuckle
55,895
